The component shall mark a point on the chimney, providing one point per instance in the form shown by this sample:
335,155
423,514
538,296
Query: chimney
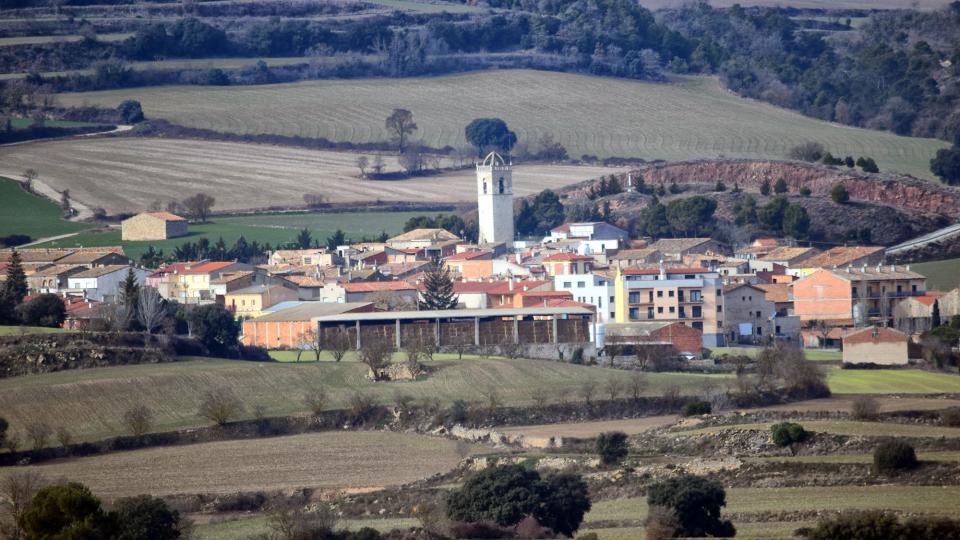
663,271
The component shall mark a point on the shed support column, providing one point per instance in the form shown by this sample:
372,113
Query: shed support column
358,335
476,331
397,334
556,338
436,334
516,331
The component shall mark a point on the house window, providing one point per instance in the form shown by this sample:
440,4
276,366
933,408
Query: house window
759,331
659,294
673,309
634,298
854,292
612,300
649,312
719,309
501,184
719,292
696,296
581,284
670,294
659,310
913,288
683,314
634,314
566,284
697,312
698,325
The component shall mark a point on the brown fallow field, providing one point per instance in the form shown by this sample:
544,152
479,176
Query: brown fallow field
127,174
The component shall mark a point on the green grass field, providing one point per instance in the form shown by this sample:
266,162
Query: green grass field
18,330
24,213
817,355
91,402
195,63
890,381
941,275
899,498
690,118
277,229
31,40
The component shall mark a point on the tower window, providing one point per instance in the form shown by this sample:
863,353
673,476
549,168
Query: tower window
501,184
484,187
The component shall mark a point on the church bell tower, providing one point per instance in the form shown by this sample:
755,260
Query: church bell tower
495,200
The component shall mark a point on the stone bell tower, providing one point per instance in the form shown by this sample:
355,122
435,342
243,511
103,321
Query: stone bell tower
495,200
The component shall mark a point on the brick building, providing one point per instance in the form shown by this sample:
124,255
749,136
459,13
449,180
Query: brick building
673,336
875,345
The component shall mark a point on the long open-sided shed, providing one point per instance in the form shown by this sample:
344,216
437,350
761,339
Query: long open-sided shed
459,327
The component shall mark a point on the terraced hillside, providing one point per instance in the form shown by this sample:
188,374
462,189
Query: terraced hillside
691,118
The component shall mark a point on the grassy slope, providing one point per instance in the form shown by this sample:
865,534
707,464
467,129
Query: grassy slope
91,402
691,118
273,228
816,355
941,275
17,330
902,498
890,381
23,213
28,40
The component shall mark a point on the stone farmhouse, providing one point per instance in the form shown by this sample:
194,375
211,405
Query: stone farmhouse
153,226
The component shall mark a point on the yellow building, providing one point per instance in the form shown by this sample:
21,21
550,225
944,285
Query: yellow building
692,296
251,301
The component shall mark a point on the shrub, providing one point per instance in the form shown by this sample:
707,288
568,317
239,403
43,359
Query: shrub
696,408
865,408
787,433
219,405
360,408
839,194
805,191
146,517
138,419
577,356
894,456
481,530
65,511
38,433
880,525
696,502
661,523
612,447
507,494
809,151
316,400
951,417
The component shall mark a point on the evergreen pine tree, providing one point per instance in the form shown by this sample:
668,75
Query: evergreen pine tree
936,314
13,291
765,188
438,292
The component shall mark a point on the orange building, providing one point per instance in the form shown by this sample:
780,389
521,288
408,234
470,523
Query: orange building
855,294
563,264
471,265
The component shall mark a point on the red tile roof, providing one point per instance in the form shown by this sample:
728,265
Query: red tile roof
929,298
468,255
874,334
655,271
207,268
561,257
378,286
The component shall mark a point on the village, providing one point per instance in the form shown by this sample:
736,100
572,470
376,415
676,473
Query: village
585,289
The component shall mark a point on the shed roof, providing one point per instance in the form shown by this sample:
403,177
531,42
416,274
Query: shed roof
455,314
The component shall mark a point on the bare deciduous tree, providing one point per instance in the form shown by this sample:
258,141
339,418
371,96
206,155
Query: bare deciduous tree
64,437
17,490
539,397
339,345
38,433
375,354
377,164
150,309
637,384
310,341
492,397
219,406
199,206
316,399
29,176
362,163
138,419
587,390
400,124
292,521
614,388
